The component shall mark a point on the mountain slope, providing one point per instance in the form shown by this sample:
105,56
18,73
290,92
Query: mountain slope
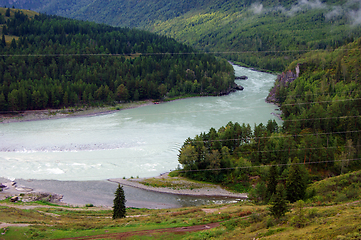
52,62
321,126
267,34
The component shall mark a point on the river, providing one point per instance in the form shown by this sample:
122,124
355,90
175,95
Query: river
140,142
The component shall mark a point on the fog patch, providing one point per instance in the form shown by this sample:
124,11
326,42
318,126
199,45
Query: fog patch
355,17
257,8
334,13
317,4
350,10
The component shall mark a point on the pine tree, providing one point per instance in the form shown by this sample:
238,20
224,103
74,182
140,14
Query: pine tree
272,181
279,204
119,203
296,182
7,13
3,41
13,44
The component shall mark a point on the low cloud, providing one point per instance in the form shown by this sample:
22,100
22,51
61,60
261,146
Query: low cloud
355,17
304,4
351,9
335,12
312,4
257,8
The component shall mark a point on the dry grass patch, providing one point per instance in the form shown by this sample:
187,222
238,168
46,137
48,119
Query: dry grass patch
176,183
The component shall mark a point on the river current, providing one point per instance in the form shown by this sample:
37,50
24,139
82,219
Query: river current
140,142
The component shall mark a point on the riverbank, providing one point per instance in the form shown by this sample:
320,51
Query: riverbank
101,193
35,115
181,186
10,189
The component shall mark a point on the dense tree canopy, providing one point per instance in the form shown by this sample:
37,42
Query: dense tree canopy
53,62
264,34
321,112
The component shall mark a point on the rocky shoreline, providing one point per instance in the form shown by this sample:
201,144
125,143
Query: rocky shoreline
10,189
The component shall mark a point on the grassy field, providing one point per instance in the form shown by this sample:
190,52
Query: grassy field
333,218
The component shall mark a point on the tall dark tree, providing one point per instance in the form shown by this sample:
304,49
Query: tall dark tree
119,203
272,181
13,44
279,203
5,30
7,13
296,182
3,41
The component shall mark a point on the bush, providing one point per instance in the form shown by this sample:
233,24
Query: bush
299,220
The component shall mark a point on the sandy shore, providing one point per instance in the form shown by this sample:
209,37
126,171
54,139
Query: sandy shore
208,190
35,115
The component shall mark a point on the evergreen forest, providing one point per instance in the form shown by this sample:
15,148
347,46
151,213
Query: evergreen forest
263,34
320,135
54,62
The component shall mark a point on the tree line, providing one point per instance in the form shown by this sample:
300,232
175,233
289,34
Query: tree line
54,62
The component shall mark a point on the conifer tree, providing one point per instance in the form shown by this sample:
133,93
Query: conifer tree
279,204
7,13
119,203
3,42
272,181
296,182
13,44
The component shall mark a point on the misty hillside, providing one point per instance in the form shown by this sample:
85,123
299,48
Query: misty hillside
267,34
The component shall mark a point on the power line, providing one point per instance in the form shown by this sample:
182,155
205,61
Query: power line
313,119
271,165
169,53
280,150
291,104
337,100
275,136
189,155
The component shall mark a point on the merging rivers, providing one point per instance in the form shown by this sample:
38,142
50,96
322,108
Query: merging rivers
75,156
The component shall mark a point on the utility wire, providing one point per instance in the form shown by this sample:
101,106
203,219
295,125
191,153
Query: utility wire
170,53
270,165
276,136
216,110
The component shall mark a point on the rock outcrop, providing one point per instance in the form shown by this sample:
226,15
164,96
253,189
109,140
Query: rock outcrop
282,80
241,78
235,87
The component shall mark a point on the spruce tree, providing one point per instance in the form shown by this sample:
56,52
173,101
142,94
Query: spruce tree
7,13
296,182
279,204
119,203
272,181
3,41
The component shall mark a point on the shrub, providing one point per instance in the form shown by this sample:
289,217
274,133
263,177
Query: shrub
299,220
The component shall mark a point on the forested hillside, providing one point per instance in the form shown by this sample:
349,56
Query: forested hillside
53,62
321,130
264,34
